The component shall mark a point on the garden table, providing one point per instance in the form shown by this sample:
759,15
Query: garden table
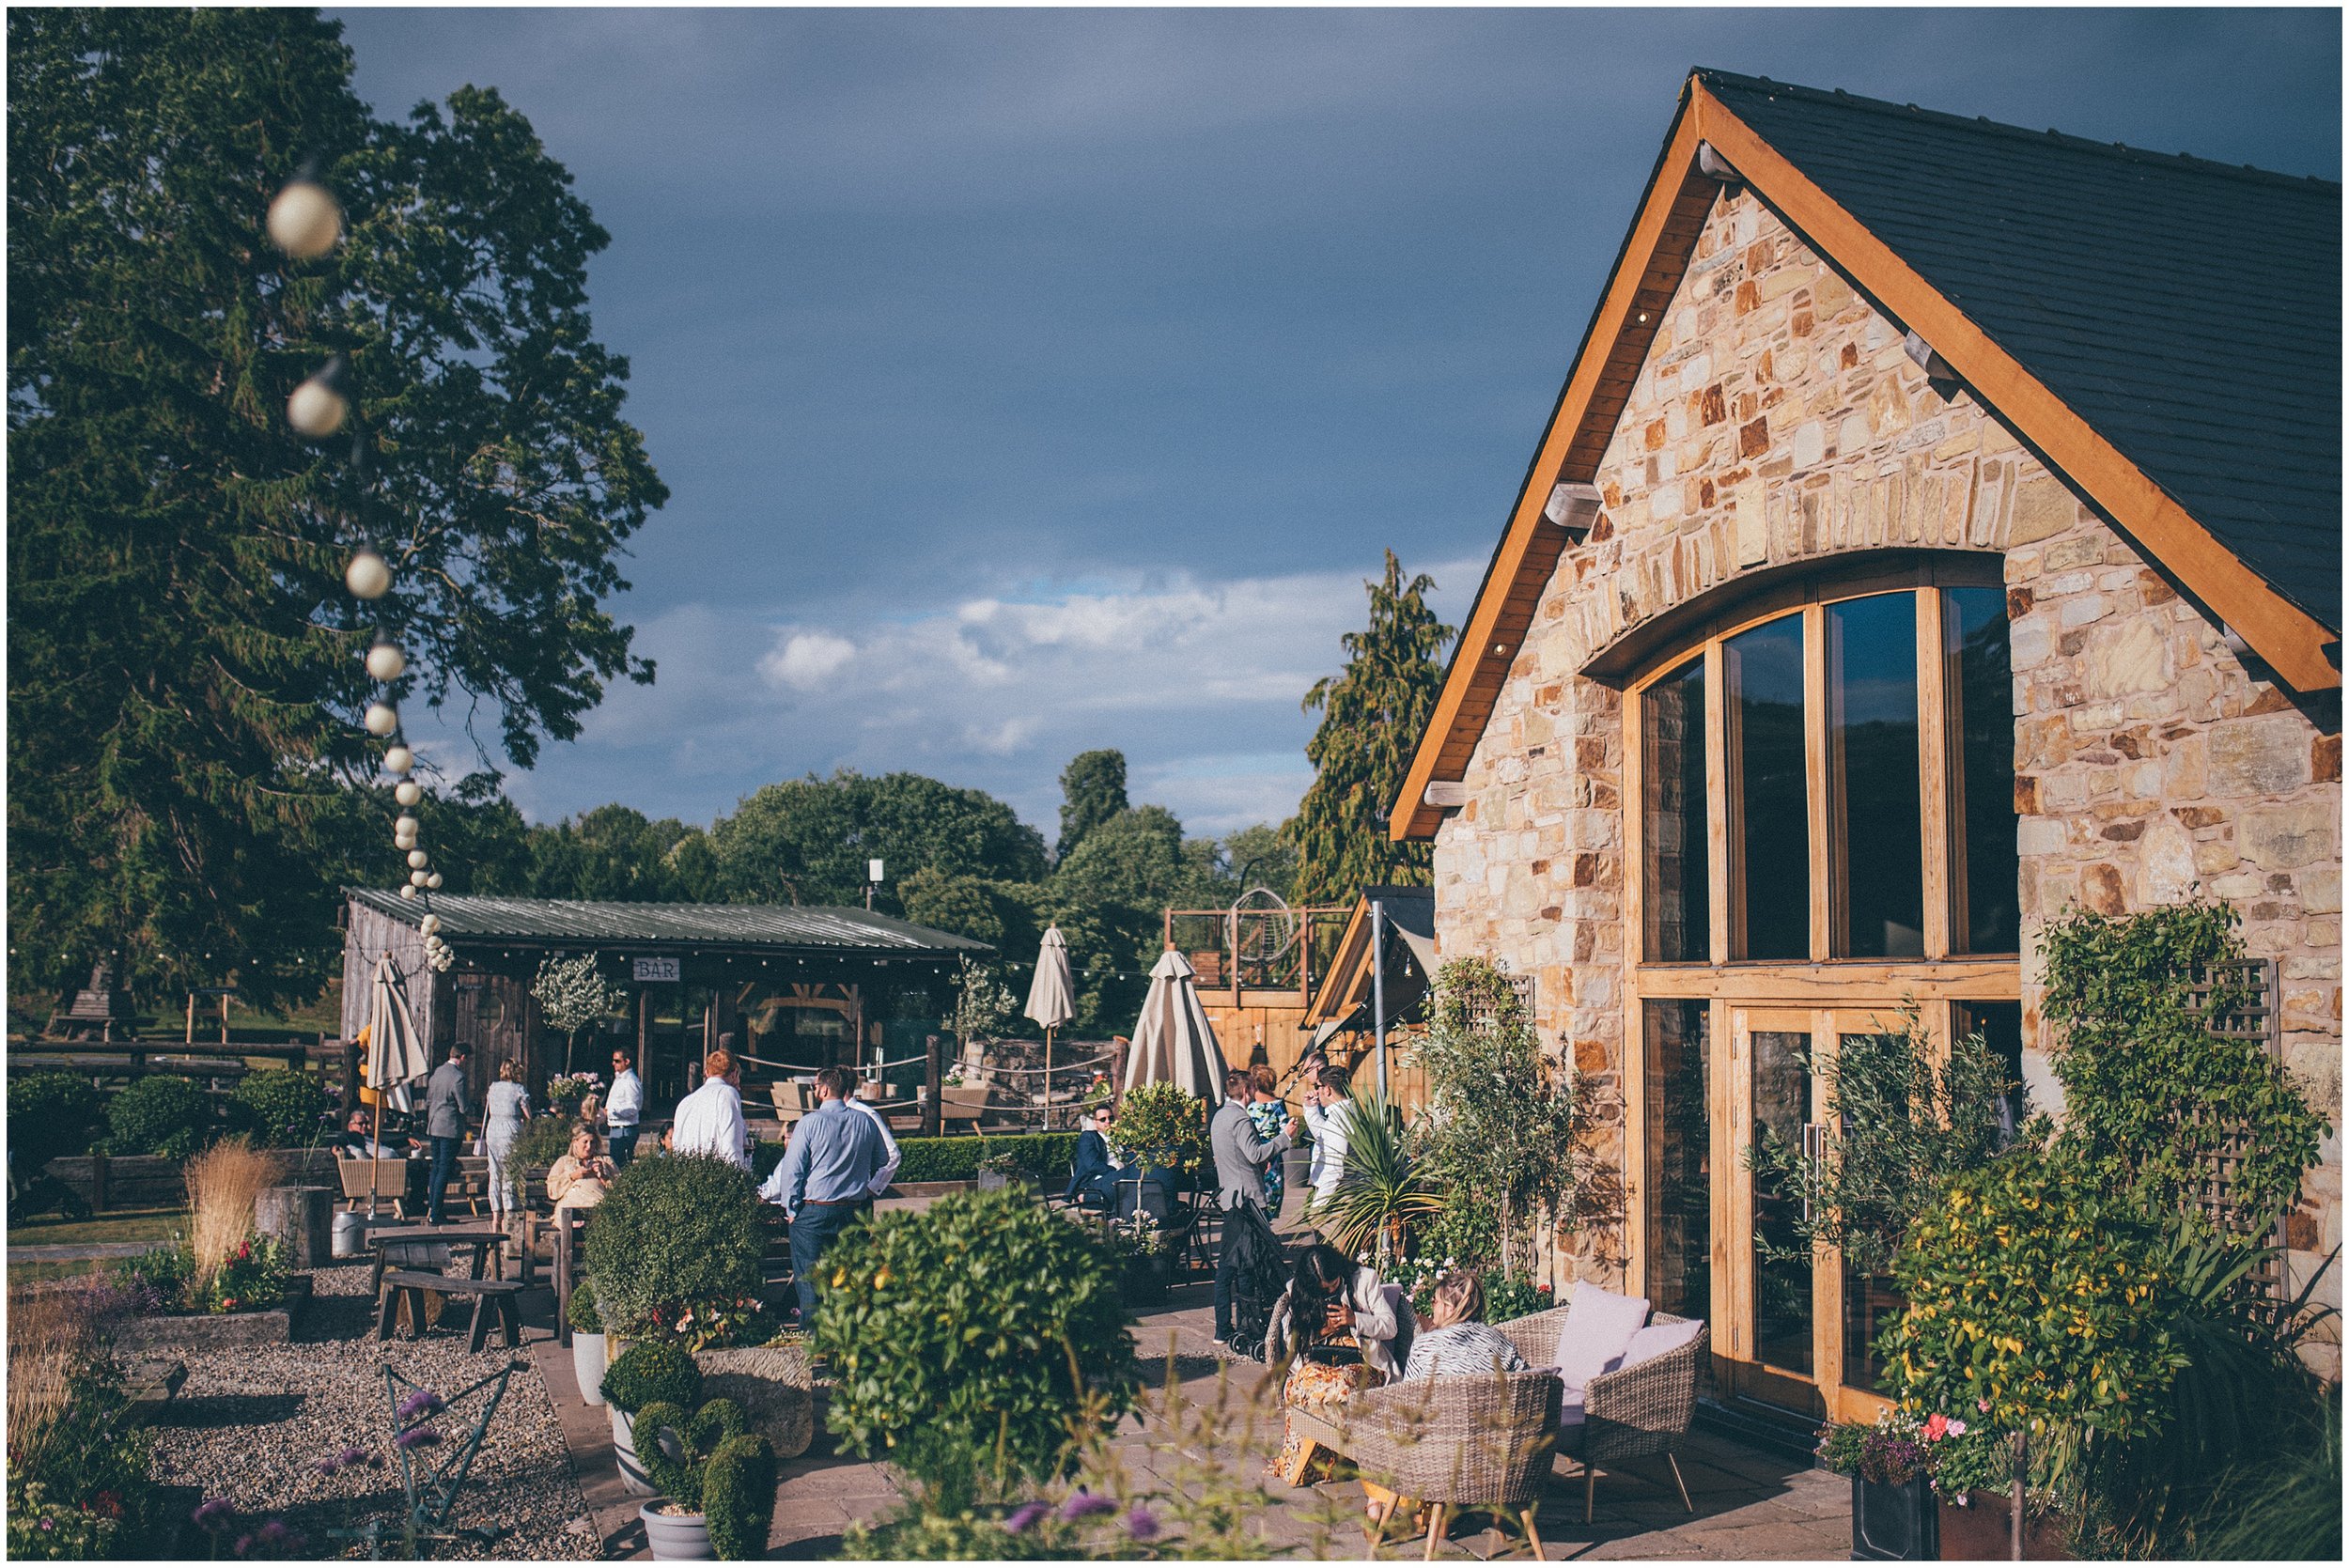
483,1239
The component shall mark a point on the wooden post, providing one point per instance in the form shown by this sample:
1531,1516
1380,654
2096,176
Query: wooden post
190,1040
223,1017
98,1184
2014,1550
351,1077
931,1079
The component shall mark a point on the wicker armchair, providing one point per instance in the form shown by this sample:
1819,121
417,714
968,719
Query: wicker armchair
1481,1441
1641,1410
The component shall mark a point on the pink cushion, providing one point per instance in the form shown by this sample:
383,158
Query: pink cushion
1657,1339
1599,1326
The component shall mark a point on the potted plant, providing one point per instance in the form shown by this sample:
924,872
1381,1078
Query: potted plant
1893,1516
656,1372
671,1235
678,1456
998,1171
1145,1259
587,1346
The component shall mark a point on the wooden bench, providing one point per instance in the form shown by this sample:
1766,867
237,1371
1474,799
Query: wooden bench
492,1298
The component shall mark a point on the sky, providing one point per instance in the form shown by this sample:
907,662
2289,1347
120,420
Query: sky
1028,381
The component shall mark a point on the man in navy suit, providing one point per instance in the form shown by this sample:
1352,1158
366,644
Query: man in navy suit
1093,1178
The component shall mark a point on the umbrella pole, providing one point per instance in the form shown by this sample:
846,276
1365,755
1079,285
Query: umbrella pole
375,1166
1047,1077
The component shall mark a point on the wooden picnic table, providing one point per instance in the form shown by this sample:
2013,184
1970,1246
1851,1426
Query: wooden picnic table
483,1239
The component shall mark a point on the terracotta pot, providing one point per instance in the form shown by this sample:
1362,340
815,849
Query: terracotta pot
675,1537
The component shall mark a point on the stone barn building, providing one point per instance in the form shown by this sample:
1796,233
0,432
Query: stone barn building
1941,525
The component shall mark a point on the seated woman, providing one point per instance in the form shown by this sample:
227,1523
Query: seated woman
1345,1329
1456,1340
577,1180
1091,1178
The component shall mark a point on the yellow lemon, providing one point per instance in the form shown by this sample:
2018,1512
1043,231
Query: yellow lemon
839,1278
881,1280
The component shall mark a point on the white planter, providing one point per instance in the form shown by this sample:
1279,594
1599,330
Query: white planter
587,1363
675,1537
631,1472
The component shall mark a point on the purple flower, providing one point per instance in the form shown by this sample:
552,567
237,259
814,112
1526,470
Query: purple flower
212,1513
1080,1503
1024,1518
327,1466
245,1545
273,1530
1141,1523
356,1456
424,1402
417,1437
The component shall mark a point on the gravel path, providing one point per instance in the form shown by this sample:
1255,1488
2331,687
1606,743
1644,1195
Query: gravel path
253,1420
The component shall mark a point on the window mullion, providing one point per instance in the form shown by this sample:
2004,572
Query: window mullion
1817,778
1716,801
1944,860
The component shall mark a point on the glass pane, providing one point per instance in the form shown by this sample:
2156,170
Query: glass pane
1876,807
1982,750
1673,837
1870,1306
1678,1042
1770,881
1782,1284
2001,1025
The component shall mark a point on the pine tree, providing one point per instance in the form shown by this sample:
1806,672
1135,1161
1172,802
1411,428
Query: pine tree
1093,790
1371,715
184,675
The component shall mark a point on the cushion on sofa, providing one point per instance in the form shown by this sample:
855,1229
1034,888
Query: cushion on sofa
1657,1339
1599,1326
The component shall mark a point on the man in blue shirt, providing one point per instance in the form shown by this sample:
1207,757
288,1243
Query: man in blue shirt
825,1180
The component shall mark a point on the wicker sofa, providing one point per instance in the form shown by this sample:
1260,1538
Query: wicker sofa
1487,1441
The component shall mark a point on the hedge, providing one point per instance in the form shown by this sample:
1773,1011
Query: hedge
1045,1156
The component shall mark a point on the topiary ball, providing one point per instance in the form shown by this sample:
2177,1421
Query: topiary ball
279,1106
653,1372
977,1318
675,1229
52,1116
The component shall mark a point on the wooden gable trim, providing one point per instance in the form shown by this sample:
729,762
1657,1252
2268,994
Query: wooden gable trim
1343,980
1655,257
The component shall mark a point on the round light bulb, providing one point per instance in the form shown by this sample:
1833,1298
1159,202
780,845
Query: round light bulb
404,841
383,719
408,893
415,878
385,661
406,824
399,759
408,792
429,924
433,881
317,410
304,221
418,858
368,576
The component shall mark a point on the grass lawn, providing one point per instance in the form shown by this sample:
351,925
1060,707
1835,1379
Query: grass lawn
131,1225
33,1273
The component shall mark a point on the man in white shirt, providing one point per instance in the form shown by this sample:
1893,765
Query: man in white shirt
624,1110
1329,1106
709,1120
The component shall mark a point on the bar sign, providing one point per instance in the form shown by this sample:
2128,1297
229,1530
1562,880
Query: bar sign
656,970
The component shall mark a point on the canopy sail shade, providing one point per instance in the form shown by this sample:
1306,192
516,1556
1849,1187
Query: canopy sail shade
1173,1043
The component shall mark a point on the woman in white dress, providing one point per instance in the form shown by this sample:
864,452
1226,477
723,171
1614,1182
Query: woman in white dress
506,1109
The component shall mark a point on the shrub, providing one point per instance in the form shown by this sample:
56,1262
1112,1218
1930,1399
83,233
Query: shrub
1160,1125
160,1115
1041,1155
653,1372
977,1324
739,1497
82,1491
544,1140
581,1312
2034,1301
50,1116
672,1231
678,1446
280,1107
939,1159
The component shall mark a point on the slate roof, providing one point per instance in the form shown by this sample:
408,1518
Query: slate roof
2189,311
761,928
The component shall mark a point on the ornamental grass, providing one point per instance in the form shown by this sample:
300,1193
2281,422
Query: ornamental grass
47,1338
223,1184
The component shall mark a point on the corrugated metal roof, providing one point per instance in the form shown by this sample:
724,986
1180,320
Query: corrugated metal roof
770,926
2189,311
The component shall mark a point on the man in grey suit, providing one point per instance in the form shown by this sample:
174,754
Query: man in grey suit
446,1109
1240,1159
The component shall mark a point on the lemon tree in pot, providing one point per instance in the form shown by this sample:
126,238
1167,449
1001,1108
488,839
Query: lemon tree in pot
709,1468
651,1372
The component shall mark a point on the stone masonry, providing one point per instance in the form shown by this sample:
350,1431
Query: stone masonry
1778,420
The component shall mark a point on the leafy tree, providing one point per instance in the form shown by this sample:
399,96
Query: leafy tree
1001,914
1260,857
1373,713
1110,897
1093,790
183,675
807,839
616,852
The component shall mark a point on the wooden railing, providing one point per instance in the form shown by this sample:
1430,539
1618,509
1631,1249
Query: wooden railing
1259,948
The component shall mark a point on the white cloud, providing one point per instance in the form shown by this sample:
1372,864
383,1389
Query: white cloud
806,659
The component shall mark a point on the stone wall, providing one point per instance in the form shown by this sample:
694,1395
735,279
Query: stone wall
1778,420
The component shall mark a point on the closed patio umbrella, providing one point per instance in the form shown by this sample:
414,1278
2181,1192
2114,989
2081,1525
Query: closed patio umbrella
396,1057
1173,1043
1051,1002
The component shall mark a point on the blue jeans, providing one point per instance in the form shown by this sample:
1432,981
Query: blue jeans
811,1233
444,1163
623,1141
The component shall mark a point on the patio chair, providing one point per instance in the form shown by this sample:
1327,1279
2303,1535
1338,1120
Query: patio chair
391,1179
1643,1406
